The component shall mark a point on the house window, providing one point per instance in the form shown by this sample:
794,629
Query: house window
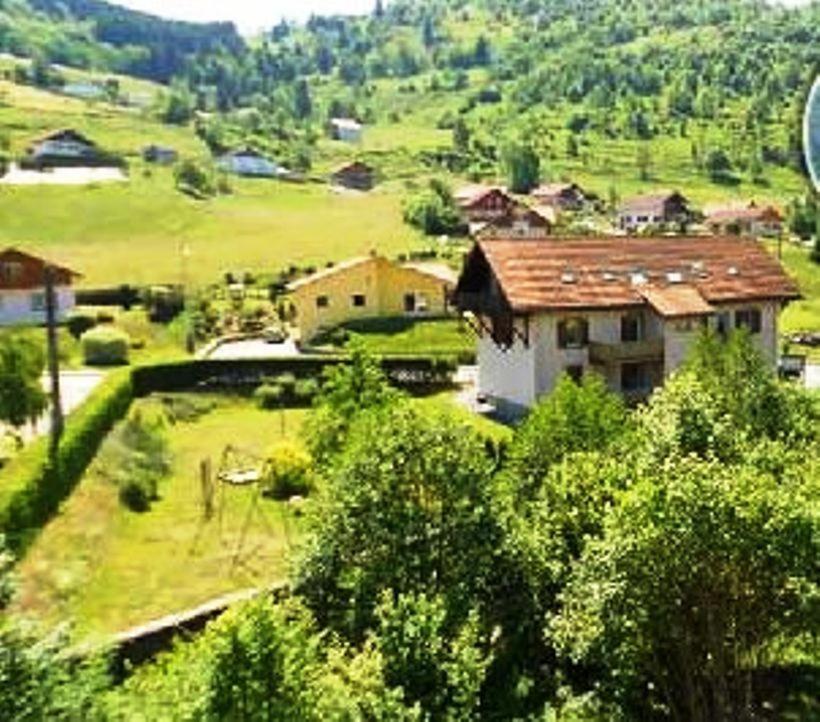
38,301
573,333
322,302
631,327
575,372
10,271
723,324
748,318
503,329
421,303
634,377
409,302
359,300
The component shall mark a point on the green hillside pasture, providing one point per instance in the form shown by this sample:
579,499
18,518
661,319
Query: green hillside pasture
28,113
135,233
107,569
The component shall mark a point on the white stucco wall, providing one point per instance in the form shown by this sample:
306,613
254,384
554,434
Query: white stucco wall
506,377
16,307
516,378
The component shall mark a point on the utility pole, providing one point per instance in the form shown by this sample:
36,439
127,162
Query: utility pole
56,431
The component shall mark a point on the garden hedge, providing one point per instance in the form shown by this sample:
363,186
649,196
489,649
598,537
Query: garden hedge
31,489
410,372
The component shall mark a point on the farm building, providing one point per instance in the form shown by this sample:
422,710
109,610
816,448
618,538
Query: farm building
561,196
484,204
346,129
84,91
753,220
626,308
159,154
520,222
367,287
67,147
664,209
356,176
22,288
248,162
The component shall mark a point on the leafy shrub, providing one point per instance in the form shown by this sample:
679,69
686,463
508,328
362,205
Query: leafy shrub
137,457
134,495
306,390
105,347
269,396
79,322
288,471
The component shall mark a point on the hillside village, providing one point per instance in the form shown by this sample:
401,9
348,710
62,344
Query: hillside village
366,370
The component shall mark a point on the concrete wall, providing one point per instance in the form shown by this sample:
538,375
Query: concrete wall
382,283
16,306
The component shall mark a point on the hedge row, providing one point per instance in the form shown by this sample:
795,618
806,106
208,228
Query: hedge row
410,372
31,489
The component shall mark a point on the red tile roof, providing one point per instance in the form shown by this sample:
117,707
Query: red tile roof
616,271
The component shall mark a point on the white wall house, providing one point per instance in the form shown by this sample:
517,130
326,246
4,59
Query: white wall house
346,130
63,144
248,163
628,309
22,289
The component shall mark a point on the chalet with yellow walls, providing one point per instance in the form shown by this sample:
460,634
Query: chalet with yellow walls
368,287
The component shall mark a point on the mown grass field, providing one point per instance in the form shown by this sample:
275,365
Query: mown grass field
105,569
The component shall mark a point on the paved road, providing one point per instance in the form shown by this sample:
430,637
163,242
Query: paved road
254,348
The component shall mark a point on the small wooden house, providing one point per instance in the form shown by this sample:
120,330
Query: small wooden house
356,175
247,162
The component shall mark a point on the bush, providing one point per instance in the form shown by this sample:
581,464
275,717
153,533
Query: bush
288,471
269,396
105,347
306,390
78,323
134,495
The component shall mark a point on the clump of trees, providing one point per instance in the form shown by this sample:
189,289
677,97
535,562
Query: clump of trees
601,564
433,210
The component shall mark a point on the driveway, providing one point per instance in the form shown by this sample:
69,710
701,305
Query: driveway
254,349
813,376
75,387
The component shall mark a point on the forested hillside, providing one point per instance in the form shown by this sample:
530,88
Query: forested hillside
99,35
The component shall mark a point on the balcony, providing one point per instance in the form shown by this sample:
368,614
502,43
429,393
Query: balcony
612,353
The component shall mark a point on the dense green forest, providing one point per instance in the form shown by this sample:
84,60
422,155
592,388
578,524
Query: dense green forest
102,36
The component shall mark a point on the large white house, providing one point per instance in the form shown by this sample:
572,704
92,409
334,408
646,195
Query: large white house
22,289
626,308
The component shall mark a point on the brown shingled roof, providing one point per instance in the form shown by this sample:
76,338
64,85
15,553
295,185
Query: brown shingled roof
615,272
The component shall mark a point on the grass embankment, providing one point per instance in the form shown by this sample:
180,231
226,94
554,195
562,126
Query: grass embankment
105,568
399,335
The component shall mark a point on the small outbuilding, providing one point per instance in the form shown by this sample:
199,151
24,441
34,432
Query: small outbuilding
159,155
346,129
356,175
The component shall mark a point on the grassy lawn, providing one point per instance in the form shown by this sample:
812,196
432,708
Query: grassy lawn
446,401
401,335
106,568
803,315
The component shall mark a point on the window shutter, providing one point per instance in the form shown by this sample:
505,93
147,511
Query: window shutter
585,332
562,334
